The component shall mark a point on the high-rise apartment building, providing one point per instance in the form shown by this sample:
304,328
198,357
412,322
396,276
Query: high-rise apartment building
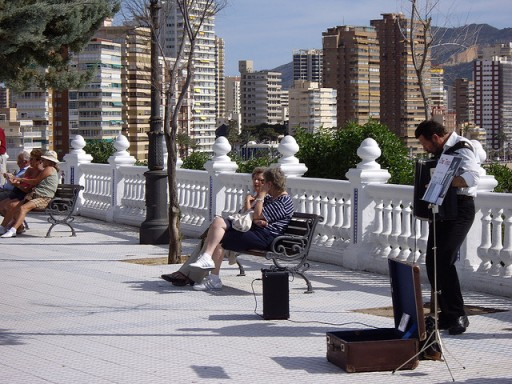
308,65
439,100
500,50
351,67
493,100
61,139
311,107
5,97
285,101
506,102
135,45
401,103
232,86
438,97
35,105
260,96
19,134
220,85
200,124
95,111
464,102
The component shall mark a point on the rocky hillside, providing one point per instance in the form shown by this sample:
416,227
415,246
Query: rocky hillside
456,48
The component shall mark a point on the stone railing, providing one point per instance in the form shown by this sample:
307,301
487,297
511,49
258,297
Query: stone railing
366,220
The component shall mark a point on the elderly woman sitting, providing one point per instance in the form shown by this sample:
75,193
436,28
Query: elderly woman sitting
273,210
44,188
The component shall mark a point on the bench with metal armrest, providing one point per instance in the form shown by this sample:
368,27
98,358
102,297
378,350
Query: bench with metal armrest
290,251
61,207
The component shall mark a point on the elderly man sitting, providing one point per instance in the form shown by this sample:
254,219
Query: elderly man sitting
23,162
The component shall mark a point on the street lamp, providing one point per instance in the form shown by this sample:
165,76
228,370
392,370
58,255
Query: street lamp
155,229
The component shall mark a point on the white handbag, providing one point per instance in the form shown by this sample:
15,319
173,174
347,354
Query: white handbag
241,221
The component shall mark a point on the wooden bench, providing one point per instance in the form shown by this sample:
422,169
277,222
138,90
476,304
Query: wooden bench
289,252
61,207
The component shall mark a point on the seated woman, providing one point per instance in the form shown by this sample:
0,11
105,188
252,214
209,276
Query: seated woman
44,188
187,275
19,190
273,209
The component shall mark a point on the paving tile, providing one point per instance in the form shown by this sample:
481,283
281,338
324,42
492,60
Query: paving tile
71,311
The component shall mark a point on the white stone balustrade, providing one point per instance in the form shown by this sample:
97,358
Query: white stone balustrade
366,220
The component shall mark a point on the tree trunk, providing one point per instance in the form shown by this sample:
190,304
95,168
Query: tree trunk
171,127
174,256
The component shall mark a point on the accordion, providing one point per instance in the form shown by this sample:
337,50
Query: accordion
421,208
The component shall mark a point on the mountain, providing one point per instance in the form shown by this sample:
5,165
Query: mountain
454,50
286,74
450,41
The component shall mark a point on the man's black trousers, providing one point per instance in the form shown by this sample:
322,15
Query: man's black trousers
450,235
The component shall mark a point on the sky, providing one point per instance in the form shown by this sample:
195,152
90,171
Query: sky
267,31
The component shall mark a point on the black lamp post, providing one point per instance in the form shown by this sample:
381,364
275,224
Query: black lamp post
155,229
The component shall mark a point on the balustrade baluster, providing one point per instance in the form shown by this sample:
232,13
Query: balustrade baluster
302,203
414,239
229,201
321,205
197,205
486,242
309,202
378,226
347,217
387,229
330,220
396,225
422,242
403,238
203,204
497,244
506,252
338,217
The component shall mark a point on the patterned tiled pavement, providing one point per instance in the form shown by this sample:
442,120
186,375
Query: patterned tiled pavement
73,311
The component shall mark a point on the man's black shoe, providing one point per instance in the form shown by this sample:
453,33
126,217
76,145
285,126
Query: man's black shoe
459,326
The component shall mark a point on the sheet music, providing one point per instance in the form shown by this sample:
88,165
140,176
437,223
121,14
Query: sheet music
442,178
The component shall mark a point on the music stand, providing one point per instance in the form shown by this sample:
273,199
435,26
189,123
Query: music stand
434,195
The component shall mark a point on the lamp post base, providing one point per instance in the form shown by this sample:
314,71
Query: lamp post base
155,229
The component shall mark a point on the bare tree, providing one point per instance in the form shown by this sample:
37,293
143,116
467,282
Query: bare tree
179,74
422,37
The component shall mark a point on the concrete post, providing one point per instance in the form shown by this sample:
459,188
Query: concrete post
368,171
220,163
120,158
288,163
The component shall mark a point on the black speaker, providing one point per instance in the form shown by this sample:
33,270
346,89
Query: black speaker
422,174
421,208
276,295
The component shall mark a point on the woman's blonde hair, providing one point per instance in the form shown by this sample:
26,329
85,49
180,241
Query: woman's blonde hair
277,177
257,171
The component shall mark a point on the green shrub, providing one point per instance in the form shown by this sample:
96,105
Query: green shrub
100,150
195,161
503,175
330,154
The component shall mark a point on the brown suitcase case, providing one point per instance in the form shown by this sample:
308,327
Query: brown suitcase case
385,349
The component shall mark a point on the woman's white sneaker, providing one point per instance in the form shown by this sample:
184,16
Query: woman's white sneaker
209,283
204,262
11,232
